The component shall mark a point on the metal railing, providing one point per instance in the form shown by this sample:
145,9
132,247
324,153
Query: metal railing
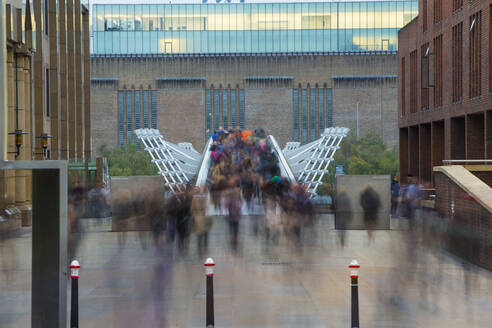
202,175
466,161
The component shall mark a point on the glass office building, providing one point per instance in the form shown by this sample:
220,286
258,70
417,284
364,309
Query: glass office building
277,27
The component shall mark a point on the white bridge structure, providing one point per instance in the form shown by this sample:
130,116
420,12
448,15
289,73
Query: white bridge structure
181,164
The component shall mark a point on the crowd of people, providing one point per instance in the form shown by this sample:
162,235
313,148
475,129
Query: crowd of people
244,176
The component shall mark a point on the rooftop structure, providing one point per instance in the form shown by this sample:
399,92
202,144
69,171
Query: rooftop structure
191,27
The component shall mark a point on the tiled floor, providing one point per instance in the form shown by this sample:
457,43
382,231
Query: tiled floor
137,285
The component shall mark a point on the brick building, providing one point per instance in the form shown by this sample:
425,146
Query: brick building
48,92
445,85
291,68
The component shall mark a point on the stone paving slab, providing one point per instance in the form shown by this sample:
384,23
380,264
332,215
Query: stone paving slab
136,285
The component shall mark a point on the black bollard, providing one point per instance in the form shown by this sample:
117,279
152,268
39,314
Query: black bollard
355,293
74,310
209,273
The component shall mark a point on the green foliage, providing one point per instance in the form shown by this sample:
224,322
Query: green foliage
367,155
128,161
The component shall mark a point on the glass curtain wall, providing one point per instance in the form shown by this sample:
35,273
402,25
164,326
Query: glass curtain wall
250,27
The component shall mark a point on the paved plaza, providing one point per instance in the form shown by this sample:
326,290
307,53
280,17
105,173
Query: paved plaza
127,282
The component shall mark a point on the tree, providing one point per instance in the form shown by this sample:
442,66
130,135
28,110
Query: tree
128,161
367,155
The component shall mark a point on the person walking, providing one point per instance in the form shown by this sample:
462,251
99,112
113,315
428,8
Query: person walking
395,195
201,223
370,203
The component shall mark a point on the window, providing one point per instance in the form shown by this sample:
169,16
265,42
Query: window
490,49
403,86
216,114
233,109
329,107
129,116
438,71
424,15
457,4
437,11
146,108
457,62
304,116
321,110
424,76
137,113
312,114
208,113
46,16
121,118
413,81
475,56
295,105
154,109
242,120
47,92
225,121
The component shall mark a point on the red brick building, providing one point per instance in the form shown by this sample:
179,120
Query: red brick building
445,85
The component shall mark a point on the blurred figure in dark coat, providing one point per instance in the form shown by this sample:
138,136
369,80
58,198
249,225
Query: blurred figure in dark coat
343,214
370,203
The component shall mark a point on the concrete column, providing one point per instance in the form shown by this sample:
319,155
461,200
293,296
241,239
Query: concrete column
38,65
78,80
62,71
53,76
20,97
10,175
29,127
49,250
71,79
87,86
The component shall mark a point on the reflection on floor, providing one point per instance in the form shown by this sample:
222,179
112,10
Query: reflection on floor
127,282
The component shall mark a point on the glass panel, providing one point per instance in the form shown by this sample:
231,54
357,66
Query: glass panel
129,117
137,113
216,110
321,110
295,105
146,108
154,109
329,108
225,121
304,116
250,27
208,113
312,114
233,109
121,118
242,120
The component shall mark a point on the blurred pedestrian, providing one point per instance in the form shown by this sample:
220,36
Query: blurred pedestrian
343,214
395,195
201,223
233,204
370,203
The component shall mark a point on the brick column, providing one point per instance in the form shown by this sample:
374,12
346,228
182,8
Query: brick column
87,85
62,16
78,80
71,79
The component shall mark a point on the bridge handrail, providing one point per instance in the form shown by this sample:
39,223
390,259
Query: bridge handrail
202,175
285,168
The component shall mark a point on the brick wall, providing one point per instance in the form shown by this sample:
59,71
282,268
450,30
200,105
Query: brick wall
467,130
267,106
377,100
180,115
104,119
485,176
471,235
269,109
